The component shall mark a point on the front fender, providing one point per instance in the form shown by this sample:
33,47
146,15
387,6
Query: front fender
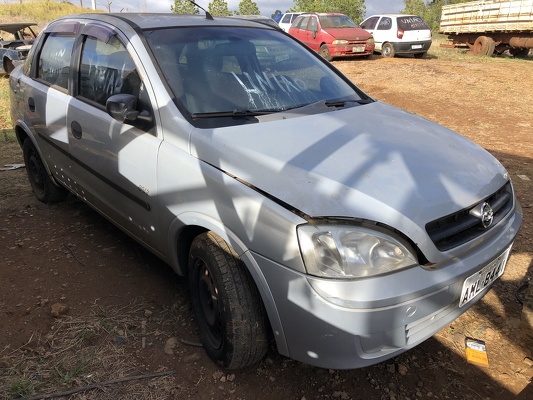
205,222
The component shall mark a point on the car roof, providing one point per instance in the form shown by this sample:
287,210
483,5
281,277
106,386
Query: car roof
320,14
393,15
13,27
164,20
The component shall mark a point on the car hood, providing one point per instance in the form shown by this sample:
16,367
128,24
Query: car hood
348,33
374,162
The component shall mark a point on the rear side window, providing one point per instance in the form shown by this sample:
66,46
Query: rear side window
385,24
412,23
54,59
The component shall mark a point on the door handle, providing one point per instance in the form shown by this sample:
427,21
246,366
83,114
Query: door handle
76,129
31,104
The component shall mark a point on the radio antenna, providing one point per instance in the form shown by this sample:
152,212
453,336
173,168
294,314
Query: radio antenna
207,15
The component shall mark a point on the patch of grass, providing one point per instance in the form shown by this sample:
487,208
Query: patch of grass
20,388
460,53
40,12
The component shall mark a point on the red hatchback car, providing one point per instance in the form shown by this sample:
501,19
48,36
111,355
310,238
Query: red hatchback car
332,35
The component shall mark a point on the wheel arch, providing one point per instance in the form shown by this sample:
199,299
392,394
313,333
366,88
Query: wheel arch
182,232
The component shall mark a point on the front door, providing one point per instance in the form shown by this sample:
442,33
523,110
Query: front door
115,162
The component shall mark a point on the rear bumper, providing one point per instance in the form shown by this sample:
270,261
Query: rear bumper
411,47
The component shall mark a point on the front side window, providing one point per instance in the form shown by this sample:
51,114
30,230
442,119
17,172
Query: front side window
106,69
216,72
370,23
286,19
313,25
54,59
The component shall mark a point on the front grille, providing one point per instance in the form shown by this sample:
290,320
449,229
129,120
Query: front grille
458,228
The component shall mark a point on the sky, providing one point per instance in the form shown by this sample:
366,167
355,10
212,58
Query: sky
267,7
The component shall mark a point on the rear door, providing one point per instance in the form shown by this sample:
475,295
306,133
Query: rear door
45,98
115,162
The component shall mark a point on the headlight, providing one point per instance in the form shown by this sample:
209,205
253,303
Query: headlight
337,251
341,41
370,40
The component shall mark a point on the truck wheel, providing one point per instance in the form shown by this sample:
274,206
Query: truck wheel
484,46
387,50
231,318
42,186
324,52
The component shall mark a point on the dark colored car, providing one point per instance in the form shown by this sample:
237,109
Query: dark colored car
332,35
16,39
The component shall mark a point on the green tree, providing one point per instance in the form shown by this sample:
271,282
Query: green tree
276,13
355,9
430,11
219,8
247,7
184,7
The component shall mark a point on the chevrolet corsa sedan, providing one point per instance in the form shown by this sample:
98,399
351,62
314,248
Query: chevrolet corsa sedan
300,208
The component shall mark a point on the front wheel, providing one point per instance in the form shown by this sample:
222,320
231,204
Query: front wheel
387,50
324,52
42,186
228,308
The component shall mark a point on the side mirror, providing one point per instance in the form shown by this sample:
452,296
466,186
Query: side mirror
123,108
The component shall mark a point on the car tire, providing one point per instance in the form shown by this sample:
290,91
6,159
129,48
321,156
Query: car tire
44,189
324,52
387,50
228,308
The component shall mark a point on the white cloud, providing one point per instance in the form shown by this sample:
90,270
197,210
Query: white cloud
267,7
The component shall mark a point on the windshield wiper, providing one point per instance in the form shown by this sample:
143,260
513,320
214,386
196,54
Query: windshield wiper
237,113
342,103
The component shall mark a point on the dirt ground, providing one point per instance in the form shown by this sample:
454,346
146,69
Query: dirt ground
125,314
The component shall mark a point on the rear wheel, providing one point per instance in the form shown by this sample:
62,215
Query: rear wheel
42,186
324,52
226,302
484,46
387,50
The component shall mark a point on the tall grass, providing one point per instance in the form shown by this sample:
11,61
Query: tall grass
40,11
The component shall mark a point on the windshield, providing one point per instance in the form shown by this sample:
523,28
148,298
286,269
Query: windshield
218,70
337,21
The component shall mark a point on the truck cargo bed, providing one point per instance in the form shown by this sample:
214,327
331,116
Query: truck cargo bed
487,16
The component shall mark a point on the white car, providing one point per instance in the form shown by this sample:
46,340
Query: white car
287,20
399,34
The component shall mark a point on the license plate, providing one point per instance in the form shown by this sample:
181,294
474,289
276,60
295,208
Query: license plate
475,283
416,46
358,49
